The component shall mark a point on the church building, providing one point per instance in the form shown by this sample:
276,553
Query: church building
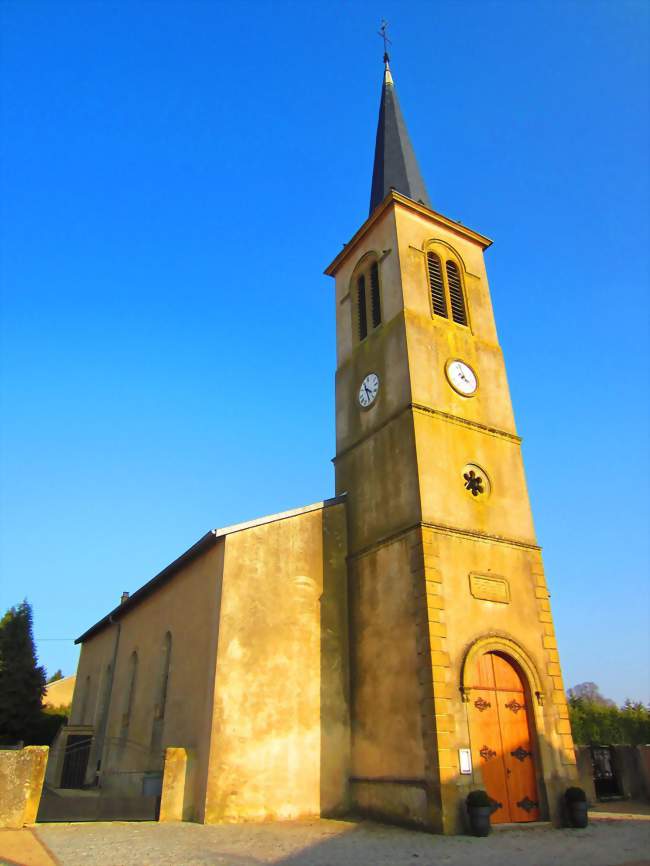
388,650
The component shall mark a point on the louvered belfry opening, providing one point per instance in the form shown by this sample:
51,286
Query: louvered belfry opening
446,289
368,297
361,307
375,300
438,298
458,311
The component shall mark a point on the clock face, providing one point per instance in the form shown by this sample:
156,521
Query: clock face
461,378
369,390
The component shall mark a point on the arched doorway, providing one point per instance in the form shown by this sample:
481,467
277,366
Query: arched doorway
500,736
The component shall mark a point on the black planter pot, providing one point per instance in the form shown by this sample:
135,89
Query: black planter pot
479,819
578,813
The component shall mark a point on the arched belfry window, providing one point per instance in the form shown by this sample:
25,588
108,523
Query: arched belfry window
446,288
367,294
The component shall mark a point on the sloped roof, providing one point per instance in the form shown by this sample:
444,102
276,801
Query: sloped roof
210,539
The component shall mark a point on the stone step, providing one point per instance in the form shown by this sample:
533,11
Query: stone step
525,825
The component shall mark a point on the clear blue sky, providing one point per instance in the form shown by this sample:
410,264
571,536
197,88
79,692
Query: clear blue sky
175,177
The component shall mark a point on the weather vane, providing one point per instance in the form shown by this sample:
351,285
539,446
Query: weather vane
384,35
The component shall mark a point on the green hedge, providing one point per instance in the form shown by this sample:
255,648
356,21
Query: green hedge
594,723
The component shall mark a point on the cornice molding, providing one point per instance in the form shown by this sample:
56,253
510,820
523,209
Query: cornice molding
443,529
428,410
466,422
395,198
397,414
478,535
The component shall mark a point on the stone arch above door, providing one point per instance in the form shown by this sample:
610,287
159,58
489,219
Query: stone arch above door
507,646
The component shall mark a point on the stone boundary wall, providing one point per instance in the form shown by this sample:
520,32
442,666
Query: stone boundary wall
22,772
632,766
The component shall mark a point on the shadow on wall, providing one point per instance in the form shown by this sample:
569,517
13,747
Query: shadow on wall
534,772
386,844
334,667
549,795
552,775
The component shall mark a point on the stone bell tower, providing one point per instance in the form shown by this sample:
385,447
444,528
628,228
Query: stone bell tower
455,675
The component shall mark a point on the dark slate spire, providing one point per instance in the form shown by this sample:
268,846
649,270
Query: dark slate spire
395,164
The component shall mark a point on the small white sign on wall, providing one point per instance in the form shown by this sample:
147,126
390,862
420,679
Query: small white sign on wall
465,761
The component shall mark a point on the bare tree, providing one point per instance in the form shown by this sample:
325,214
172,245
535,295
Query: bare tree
591,693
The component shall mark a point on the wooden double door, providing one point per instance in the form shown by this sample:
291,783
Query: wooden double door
501,741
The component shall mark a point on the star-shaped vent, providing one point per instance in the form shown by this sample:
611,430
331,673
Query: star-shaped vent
473,483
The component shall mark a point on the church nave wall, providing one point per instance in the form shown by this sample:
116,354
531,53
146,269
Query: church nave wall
280,727
137,722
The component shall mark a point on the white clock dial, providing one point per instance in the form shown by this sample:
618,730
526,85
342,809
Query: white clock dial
461,378
369,390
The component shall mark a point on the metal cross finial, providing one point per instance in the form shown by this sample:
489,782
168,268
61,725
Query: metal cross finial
384,35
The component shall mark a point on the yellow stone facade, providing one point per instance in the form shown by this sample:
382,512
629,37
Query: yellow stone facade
250,626
435,574
323,660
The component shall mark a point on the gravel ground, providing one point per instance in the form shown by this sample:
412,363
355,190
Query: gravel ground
341,843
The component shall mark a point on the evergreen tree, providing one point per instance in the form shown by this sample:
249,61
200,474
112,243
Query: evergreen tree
22,679
57,675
